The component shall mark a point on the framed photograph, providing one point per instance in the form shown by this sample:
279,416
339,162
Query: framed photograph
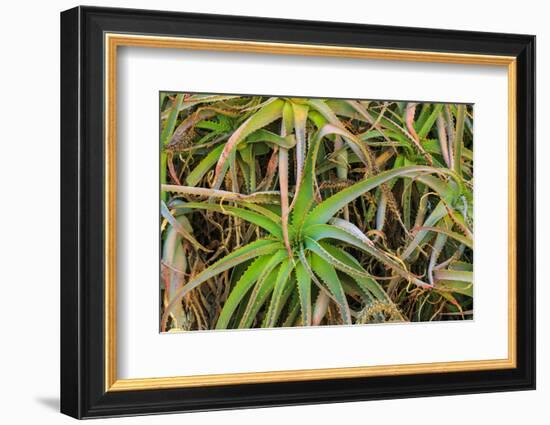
261,212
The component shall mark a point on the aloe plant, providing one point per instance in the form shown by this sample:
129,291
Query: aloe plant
298,236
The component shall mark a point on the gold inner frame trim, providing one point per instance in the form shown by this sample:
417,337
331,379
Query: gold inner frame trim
113,41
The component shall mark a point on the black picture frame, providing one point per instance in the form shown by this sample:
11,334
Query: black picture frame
83,392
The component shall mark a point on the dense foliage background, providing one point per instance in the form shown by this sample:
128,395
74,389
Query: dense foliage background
292,212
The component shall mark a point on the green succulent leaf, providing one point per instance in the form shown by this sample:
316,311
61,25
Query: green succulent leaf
323,212
243,285
280,284
204,166
457,275
256,273
326,231
267,114
303,281
457,236
430,121
322,252
367,283
262,135
252,217
326,272
262,290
